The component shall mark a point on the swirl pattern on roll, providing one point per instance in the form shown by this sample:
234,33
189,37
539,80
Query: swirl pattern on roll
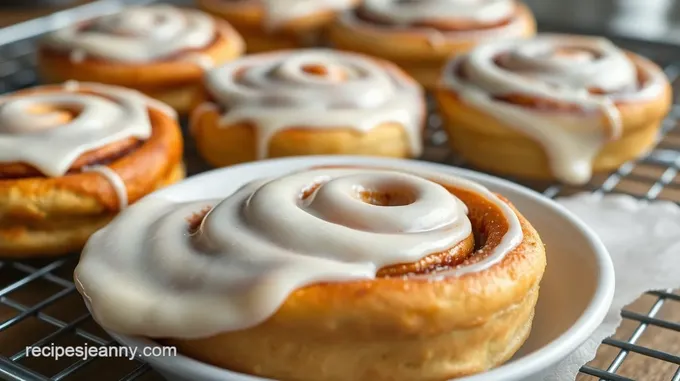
562,91
137,35
234,267
50,130
316,88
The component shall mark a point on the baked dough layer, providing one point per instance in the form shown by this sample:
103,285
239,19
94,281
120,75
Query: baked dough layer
227,145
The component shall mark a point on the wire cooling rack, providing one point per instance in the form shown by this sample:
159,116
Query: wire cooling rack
39,304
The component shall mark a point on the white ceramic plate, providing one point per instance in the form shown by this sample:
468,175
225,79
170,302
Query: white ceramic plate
575,294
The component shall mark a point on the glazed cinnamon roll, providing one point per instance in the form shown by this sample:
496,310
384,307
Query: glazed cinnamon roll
553,107
307,102
159,50
73,156
268,25
327,274
420,35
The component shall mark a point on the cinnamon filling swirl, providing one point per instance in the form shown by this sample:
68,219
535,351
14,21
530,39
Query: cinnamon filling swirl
99,157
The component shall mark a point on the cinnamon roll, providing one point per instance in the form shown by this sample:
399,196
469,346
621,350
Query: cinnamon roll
268,25
307,102
73,156
420,35
326,274
159,50
555,107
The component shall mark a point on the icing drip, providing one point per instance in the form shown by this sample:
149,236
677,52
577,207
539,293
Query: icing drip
203,61
137,35
316,88
71,86
199,110
33,128
585,72
414,15
269,238
116,182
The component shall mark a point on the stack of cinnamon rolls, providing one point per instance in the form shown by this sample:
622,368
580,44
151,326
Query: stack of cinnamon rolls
272,78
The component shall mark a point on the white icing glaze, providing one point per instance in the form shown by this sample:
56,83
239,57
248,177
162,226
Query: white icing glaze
279,12
138,35
41,140
257,246
405,15
73,86
116,182
415,11
275,92
561,69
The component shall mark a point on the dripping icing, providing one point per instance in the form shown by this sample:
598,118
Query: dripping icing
196,114
115,180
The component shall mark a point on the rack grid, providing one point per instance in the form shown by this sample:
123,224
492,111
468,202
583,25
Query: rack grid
39,304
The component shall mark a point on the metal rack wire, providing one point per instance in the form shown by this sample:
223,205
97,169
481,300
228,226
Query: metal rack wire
40,306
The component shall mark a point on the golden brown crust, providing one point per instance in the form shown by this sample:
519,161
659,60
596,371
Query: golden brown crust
170,80
50,216
413,51
227,145
250,21
58,235
492,145
393,328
